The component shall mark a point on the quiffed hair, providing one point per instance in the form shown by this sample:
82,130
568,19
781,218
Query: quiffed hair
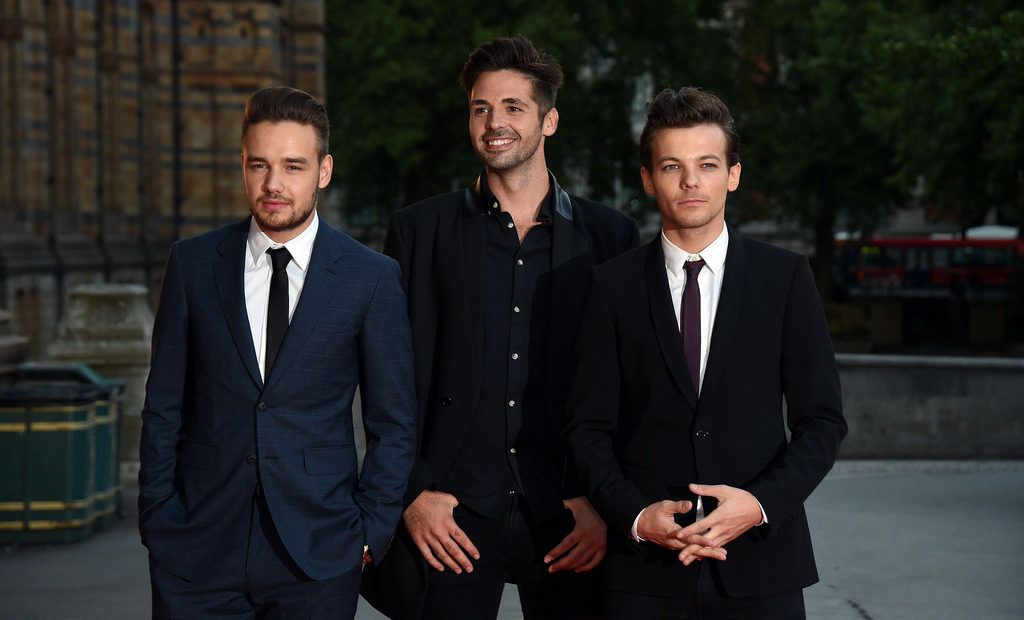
275,104
688,107
516,54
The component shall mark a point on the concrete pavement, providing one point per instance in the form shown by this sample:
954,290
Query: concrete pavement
893,539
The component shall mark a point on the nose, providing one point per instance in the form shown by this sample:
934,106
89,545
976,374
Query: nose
496,120
689,179
271,182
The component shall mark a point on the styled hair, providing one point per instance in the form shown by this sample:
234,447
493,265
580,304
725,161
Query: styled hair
688,107
516,54
275,104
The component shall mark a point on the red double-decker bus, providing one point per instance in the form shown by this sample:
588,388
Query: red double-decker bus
980,261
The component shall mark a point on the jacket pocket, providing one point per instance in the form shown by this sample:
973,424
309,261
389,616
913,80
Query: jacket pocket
326,461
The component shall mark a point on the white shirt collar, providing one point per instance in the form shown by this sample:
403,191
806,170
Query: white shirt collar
713,254
301,247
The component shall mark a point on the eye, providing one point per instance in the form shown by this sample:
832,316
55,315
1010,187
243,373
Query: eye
258,165
513,108
709,165
295,167
670,167
479,111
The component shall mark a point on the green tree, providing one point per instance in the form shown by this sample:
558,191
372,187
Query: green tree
948,90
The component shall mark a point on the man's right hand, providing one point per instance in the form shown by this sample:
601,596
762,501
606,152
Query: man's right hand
432,527
657,524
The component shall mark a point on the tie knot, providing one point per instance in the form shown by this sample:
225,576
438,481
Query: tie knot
693,267
280,257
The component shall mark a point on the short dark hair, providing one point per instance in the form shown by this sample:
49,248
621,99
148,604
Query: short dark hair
516,54
275,104
688,107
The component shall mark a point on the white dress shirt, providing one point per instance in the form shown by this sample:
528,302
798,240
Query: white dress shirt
710,282
258,270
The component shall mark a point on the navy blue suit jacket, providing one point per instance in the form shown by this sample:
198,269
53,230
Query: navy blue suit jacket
212,428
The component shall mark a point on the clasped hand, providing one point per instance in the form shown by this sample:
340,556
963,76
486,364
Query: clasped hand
737,512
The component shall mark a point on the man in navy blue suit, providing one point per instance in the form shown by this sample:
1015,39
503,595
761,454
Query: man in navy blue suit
250,501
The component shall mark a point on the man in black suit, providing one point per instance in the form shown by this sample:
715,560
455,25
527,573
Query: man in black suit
250,501
688,347
496,277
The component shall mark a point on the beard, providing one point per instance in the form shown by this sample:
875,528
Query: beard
286,220
524,151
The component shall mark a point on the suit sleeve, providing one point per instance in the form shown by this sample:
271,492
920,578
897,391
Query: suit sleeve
389,409
165,388
810,382
399,246
593,409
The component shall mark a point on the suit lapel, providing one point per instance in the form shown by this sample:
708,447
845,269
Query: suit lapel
319,286
231,290
663,317
728,312
471,266
570,244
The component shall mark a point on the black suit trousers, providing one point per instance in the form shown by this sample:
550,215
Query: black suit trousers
512,550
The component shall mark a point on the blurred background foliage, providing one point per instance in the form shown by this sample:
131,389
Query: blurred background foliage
846,110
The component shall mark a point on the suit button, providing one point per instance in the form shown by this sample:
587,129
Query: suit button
263,406
251,459
703,435
446,401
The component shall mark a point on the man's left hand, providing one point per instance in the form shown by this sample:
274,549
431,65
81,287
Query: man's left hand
737,512
583,548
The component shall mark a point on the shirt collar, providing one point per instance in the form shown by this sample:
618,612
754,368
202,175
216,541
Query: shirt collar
713,254
301,247
489,202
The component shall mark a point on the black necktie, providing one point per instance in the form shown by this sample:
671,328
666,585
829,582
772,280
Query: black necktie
277,306
689,320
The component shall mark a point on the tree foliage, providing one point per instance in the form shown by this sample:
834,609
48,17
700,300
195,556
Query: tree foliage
845,109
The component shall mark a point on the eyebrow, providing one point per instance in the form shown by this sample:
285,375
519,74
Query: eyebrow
290,160
665,158
512,100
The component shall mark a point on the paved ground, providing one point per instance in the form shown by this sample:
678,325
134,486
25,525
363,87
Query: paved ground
894,539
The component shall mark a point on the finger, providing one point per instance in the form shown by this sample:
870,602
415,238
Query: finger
429,556
593,562
460,537
683,506
455,552
579,556
698,539
442,554
712,490
562,547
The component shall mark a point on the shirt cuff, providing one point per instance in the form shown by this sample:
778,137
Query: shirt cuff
632,532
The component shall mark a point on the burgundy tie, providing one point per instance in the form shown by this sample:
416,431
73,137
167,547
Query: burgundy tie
689,320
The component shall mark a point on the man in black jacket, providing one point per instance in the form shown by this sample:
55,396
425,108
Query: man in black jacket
496,276
689,346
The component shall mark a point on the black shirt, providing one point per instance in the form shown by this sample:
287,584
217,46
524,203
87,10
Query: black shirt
517,292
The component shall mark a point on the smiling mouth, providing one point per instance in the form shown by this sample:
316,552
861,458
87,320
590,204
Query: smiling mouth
498,142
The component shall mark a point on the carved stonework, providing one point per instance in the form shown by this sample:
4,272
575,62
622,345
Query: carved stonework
109,327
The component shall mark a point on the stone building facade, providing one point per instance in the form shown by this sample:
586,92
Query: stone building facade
119,133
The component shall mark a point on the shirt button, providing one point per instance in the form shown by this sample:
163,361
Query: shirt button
519,262
703,435
495,205
515,308
511,403
512,450
251,459
263,406
515,356
511,225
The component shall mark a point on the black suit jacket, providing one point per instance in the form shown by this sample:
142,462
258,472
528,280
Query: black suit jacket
640,434
440,245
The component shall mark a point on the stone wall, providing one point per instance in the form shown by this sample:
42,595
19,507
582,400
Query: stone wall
932,407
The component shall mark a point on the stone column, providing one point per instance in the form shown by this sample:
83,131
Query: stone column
109,327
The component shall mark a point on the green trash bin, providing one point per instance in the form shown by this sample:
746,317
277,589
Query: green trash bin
109,410
48,460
